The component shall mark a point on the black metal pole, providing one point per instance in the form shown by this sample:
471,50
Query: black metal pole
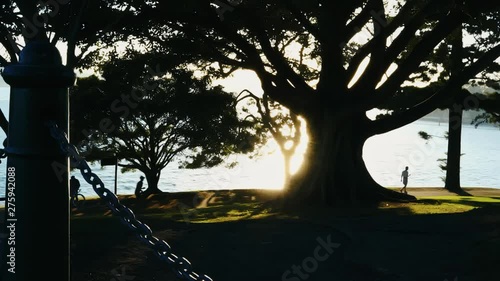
37,196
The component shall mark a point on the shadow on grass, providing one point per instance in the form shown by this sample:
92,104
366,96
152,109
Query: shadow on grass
460,192
250,247
472,201
238,236
226,233
92,239
240,250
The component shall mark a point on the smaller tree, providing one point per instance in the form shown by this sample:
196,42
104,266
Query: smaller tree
443,162
283,125
176,117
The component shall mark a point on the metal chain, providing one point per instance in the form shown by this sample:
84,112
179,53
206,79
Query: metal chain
180,265
3,154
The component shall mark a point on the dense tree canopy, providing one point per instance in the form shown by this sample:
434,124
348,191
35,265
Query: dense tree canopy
151,119
327,63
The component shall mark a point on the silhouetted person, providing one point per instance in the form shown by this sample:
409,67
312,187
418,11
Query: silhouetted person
138,188
404,179
74,187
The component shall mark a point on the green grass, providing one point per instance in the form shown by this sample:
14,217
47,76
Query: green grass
474,199
446,204
235,211
101,243
253,211
217,213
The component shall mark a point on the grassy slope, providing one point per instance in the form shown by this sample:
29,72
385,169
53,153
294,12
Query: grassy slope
227,234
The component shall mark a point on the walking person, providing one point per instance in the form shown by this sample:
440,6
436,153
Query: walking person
404,179
138,187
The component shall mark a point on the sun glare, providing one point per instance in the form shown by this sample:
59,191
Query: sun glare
241,80
298,158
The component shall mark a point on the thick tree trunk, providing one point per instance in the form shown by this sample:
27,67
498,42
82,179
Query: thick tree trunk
454,154
152,178
334,172
452,182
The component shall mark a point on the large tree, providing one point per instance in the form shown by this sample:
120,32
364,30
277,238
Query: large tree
151,120
326,62
264,36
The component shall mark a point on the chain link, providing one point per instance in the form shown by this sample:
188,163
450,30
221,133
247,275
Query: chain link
180,265
3,154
